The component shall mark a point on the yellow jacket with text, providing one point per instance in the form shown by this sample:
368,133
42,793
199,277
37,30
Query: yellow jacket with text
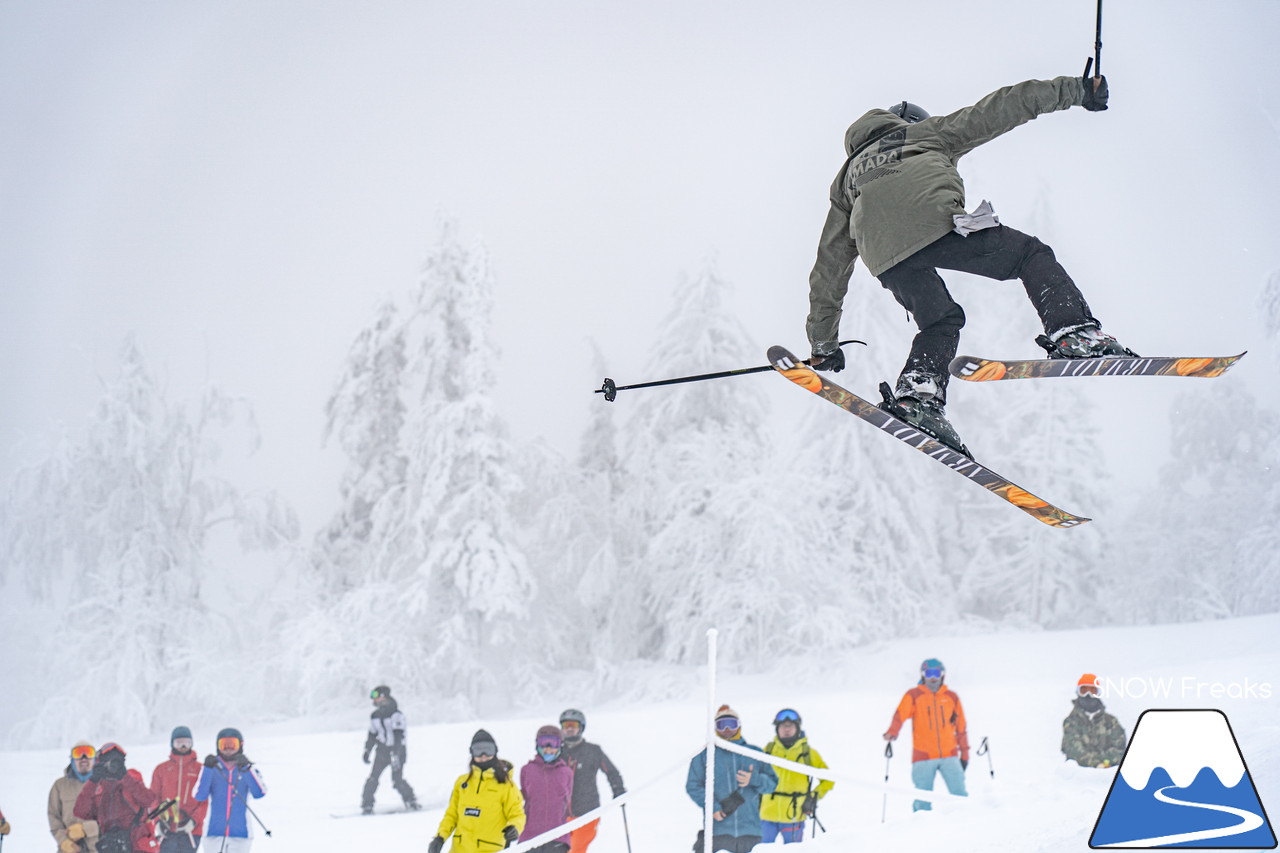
480,807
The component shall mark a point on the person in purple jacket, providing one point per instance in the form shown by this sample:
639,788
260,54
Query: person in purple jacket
547,785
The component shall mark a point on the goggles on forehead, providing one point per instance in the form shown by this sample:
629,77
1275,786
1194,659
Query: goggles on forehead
1087,690
933,672
228,744
727,724
79,752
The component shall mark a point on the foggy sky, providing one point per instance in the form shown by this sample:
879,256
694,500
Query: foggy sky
239,184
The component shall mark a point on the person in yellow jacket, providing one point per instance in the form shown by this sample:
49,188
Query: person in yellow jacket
939,733
784,810
486,811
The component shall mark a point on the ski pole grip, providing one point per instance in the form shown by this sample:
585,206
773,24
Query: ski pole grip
888,749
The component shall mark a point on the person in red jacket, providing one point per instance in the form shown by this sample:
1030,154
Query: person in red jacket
118,801
182,823
143,834
939,734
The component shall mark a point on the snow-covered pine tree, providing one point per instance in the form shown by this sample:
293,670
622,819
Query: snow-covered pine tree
111,542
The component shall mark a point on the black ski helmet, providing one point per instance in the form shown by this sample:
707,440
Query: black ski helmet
380,691
909,111
574,715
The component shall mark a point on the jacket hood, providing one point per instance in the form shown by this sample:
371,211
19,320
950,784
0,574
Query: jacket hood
872,124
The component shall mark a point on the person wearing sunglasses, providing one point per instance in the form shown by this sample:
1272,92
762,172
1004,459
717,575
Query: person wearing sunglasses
227,782
1090,736
939,733
388,729
739,784
486,811
784,810
117,799
73,834
174,779
588,762
546,782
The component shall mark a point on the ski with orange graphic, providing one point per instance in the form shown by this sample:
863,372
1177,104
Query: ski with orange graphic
801,374
975,369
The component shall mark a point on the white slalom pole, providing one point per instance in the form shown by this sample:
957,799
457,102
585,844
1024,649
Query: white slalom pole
709,803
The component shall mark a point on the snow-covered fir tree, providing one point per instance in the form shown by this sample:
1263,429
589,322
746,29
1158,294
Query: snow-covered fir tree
114,556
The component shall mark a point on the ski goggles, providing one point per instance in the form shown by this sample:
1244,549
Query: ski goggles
571,726
933,672
480,750
1087,690
79,752
549,746
228,744
183,743
786,715
727,724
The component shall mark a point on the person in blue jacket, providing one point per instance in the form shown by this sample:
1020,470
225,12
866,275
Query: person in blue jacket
228,779
739,784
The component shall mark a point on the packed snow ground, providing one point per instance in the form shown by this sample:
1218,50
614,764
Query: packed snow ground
1015,687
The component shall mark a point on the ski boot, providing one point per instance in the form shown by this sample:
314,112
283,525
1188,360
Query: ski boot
412,805
1087,341
925,415
366,810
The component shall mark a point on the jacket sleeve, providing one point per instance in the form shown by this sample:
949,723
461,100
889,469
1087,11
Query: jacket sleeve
764,779
57,826
1004,109
513,808
829,280
449,822
1117,742
86,807
824,785
695,784
904,712
611,773
201,792
254,784
962,731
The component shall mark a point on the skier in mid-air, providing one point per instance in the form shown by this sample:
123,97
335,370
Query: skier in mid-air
898,203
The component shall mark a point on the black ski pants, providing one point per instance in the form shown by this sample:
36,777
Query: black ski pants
999,253
732,843
381,761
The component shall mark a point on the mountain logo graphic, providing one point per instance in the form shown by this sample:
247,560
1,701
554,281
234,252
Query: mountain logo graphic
1183,783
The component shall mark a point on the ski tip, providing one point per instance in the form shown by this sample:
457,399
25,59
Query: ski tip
782,358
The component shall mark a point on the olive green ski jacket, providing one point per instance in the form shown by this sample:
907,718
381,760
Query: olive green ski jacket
899,188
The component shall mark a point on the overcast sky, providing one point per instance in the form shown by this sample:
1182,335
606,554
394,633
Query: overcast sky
240,183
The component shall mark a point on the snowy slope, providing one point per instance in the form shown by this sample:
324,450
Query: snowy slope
1015,687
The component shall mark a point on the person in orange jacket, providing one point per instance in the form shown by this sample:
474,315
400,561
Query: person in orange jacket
939,734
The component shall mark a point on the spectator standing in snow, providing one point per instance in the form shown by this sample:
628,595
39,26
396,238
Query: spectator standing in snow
73,834
386,740
739,784
175,778
784,810
486,811
1090,736
228,779
115,798
547,785
939,734
587,760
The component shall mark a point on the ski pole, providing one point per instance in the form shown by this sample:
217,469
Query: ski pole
625,828
985,749
248,807
1095,61
888,756
610,389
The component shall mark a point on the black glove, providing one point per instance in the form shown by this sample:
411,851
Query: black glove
211,761
964,764
833,362
99,772
809,805
367,750
730,804
243,762
1095,101
436,845
110,768
511,834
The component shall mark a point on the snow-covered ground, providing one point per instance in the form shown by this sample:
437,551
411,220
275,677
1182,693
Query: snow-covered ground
1015,687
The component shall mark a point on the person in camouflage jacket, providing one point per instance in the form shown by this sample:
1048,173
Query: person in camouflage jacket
1090,736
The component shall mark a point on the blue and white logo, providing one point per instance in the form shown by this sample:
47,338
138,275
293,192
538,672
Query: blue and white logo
1183,783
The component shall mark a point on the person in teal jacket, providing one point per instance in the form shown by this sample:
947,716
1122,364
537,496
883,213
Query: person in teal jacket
740,782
